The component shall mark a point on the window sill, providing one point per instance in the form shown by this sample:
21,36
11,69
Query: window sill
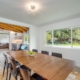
68,47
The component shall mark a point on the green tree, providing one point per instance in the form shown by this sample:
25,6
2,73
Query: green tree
62,35
49,37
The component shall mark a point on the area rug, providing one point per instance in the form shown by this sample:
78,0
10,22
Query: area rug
74,75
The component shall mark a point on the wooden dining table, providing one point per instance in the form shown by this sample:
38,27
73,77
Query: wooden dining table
49,67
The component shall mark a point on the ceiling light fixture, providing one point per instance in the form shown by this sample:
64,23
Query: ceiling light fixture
33,8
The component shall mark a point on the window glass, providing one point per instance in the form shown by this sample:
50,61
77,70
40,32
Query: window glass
49,37
4,37
62,37
26,39
76,37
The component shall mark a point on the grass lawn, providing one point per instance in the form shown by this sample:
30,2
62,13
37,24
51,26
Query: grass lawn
65,44
74,44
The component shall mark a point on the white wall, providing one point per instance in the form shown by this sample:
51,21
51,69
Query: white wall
12,35
32,31
68,53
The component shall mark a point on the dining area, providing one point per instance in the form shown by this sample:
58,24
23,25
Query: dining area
40,66
39,39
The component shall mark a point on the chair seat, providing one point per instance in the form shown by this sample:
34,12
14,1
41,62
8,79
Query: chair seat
15,73
37,77
24,67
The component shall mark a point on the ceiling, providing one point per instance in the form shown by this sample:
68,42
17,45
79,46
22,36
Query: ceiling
51,11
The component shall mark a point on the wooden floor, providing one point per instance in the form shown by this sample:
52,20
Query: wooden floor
4,78
74,75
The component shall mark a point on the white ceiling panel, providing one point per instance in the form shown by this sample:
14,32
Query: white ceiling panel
51,11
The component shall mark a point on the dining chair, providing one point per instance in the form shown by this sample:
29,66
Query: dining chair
15,71
57,54
7,66
45,52
35,50
25,75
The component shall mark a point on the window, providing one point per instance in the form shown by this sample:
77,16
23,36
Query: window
68,37
26,38
4,37
76,37
62,37
49,37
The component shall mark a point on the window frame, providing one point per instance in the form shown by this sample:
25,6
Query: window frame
46,38
71,46
27,38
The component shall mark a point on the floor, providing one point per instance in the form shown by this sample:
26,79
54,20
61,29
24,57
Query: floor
74,75
4,78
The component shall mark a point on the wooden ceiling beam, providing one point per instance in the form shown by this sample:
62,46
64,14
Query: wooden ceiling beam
14,28
18,28
25,28
8,28
5,26
22,28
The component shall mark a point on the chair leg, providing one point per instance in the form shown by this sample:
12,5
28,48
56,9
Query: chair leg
16,77
9,76
3,71
21,78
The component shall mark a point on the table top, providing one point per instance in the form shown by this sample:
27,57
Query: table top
51,68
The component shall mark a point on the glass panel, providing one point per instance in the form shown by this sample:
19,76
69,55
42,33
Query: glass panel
4,38
76,37
62,37
49,37
26,39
